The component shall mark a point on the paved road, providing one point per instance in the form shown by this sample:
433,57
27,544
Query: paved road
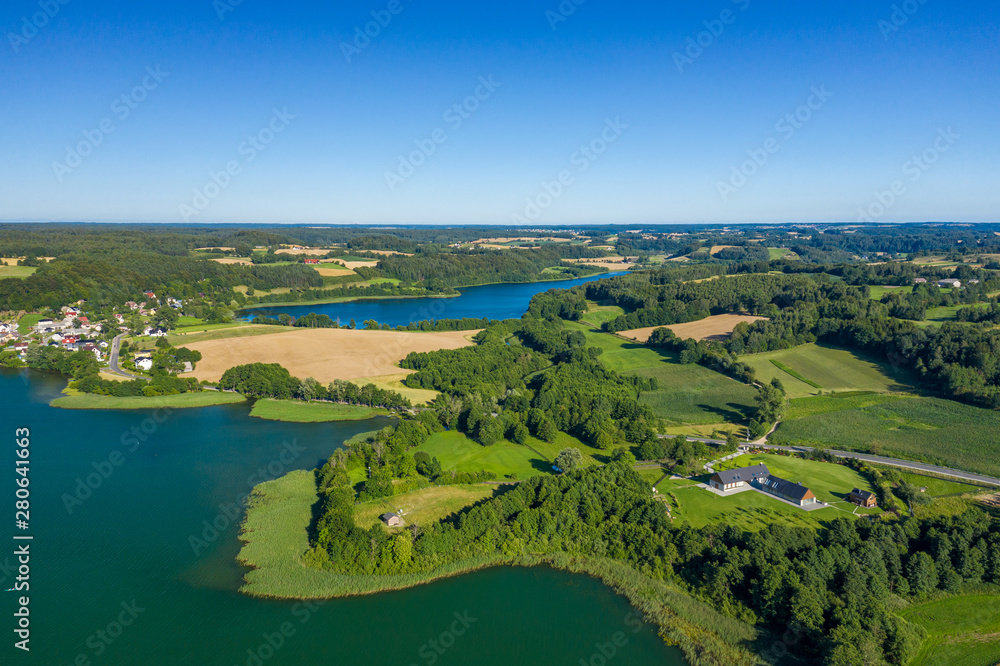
893,462
113,358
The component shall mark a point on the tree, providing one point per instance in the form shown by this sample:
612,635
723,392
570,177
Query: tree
770,401
922,573
569,459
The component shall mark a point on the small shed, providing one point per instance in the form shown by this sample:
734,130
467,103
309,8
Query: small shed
391,519
863,498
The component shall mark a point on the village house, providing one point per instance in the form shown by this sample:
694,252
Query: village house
145,364
863,498
950,283
312,261
919,280
737,478
760,478
391,519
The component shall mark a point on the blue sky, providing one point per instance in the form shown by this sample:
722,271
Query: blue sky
721,111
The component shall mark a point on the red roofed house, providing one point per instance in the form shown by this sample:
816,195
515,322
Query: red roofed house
312,261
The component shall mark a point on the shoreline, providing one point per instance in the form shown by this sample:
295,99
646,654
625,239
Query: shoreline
275,571
408,297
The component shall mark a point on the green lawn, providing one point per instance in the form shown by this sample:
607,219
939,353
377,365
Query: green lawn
830,482
296,411
185,322
750,510
961,630
179,401
929,429
28,321
591,456
688,394
457,452
778,252
422,507
19,272
830,368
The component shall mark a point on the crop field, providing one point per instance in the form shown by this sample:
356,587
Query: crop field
457,452
297,411
716,327
830,482
323,353
422,507
928,429
962,630
332,270
809,369
689,394
394,382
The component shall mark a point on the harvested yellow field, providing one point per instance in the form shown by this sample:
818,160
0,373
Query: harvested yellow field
224,249
357,264
611,263
233,260
717,327
323,353
719,248
311,251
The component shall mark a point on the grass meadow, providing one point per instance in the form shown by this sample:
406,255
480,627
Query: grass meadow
962,630
810,369
457,452
297,411
179,401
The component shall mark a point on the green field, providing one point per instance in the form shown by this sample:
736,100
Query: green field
192,334
297,411
928,429
422,507
830,482
185,322
19,272
942,315
939,487
825,369
778,252
179,401
876,292
457,452
550,450
962,631
598,314
28,321
688,393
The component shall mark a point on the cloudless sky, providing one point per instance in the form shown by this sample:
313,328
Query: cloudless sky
894,86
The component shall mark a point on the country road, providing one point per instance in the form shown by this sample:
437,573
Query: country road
113,358
892,462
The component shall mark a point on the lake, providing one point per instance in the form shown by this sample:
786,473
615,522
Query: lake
495,301
113,547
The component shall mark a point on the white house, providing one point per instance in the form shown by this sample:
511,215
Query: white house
144,364
950,283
